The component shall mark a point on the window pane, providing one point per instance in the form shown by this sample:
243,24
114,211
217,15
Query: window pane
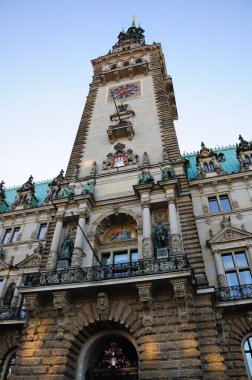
15,234
241,259
228,261
248,352
42,231
7,236
121,257
246,277
206,167
134,256
232,279
213,204
225,204
211,167
105,259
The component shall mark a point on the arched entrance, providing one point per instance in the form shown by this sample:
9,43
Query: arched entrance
108,355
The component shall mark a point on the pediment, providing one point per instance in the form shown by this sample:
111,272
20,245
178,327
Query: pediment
228,234
32,261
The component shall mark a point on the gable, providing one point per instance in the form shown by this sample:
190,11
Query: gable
228,234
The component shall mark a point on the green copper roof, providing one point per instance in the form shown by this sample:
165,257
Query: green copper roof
41,189
230,165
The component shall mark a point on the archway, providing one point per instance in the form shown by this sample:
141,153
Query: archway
108,355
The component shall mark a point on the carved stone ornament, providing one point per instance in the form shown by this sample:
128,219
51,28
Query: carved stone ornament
62,306
33,308
180,295
244,153
26,195
2,192
145,295
176,244
55,186
147,248
120,158
102,306
167,173
207,161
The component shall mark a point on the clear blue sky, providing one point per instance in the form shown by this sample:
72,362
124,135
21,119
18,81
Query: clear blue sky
45,71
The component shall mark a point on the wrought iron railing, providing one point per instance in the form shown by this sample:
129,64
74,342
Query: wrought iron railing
231,293
12,313
106,272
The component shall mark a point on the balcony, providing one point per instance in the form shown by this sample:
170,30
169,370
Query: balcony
233,293
141,268
12,314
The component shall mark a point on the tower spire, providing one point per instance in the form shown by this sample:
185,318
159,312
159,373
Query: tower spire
133,23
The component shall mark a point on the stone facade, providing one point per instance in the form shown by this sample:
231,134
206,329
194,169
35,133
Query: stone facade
117,268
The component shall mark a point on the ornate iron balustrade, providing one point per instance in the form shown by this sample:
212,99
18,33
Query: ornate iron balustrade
12,313
232,293
107,272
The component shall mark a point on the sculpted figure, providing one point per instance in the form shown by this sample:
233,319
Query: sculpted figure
160,236
167,173
145,177
66,249
88,188
68,192
145,159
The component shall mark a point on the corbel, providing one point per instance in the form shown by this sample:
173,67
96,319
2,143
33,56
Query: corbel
33,308
145,297
62,305
180,289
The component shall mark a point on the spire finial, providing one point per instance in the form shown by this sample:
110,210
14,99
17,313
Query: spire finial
133,21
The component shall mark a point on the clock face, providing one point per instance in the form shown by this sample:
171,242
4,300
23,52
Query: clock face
125,91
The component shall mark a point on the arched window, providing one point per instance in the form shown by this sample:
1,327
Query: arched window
113,67
126,63
9,364
211,167
206,168
247,353
247,159
139,60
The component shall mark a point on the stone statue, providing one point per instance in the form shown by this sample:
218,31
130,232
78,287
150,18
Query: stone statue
9,294
68,193
167,173
132,158
243,143
145,177
160,237
145,159
93,169
66,249
165,155
88,188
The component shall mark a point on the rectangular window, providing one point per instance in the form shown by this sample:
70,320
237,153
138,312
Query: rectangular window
7,236
225,203
15,234
121,257
237,269
42,231
219,203
134,256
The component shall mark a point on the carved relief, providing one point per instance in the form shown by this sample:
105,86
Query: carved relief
180,295
102,306
160,215
145,298
147,248
120,158
62,305
33,308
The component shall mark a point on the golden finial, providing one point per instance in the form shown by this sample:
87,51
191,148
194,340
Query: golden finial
133,21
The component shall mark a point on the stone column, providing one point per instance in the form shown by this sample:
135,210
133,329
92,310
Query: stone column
14,302
53,254
176,241
249,248
147,240
3,288
219,269
78,251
